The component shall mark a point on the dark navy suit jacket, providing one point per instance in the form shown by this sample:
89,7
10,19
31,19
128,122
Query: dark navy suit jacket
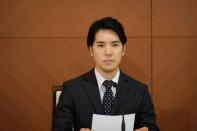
80,99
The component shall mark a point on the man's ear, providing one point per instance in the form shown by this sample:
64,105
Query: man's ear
91,51
123,50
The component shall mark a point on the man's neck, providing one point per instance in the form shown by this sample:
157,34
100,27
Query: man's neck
107,75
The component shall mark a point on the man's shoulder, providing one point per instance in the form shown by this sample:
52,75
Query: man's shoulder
133,81
78,79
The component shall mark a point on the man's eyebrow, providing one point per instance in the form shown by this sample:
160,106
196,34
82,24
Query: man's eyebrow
100,42
116,41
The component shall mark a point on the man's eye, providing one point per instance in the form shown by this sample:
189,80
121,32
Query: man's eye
100,45
115,45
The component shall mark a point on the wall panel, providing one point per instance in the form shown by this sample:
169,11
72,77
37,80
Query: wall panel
174,18
137,60
51,18
174,82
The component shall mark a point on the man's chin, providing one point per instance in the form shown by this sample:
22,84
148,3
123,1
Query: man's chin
109,69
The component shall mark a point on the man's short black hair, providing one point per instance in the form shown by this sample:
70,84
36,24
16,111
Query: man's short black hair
106,23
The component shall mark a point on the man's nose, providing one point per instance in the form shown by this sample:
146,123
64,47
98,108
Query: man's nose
108,50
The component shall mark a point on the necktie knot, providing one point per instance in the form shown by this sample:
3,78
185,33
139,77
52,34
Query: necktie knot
108,84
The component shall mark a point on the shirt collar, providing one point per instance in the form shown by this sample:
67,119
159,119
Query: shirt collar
101,79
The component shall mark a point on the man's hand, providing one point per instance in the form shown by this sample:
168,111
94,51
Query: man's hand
142,129
85,129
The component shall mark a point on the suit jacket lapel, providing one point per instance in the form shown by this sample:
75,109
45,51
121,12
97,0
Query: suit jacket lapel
121,91
92,89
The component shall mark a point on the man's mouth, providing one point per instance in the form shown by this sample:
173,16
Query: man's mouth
108,61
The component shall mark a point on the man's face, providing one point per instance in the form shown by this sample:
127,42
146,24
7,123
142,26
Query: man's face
107,51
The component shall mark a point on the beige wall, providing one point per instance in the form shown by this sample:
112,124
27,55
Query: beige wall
43,43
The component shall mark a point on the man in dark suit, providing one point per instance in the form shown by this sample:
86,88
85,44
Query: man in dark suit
105,89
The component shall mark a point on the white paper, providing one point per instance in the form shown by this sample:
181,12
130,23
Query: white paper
112,123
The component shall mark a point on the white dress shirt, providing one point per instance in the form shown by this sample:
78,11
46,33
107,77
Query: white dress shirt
101,79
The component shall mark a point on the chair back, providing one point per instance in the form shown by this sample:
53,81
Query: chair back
56,91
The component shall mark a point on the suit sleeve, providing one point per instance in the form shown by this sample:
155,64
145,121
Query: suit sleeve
63,115
147,115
